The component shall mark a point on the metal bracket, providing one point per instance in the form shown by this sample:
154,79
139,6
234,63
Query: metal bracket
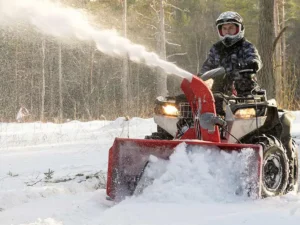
206,122
209,120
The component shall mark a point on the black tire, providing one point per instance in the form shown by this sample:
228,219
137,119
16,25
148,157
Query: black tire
155,135
292,154
275,168
296,168
160,130
161,134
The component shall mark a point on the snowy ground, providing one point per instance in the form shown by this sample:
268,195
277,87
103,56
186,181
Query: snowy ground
54,175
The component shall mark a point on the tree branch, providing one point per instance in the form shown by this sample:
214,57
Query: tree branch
278,37
151,26
142,15
169,56
170,43
152,7
175,7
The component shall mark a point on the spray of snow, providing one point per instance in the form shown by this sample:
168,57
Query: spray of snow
55,20
195,176
196,173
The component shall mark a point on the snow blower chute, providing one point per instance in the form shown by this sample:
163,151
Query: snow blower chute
250,122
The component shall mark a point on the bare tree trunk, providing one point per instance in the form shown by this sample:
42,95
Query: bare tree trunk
266,38
32,89
51,105
277,50
91,87
279,47
51,84
197,53
42,117
283,39
125,71
16,76
138,91
75,111
162,76
285,82
60,83
91,68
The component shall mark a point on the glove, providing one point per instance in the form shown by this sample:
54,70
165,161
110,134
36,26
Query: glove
250,65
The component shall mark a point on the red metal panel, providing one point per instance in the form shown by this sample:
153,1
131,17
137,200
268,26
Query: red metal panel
200,97
112,155
189,134
127,158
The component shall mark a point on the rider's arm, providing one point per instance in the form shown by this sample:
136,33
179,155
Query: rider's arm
209,63
252,58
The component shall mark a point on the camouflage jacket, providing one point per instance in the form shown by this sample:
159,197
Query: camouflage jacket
242,55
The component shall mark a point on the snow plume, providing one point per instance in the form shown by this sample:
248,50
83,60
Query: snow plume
201,174
55,20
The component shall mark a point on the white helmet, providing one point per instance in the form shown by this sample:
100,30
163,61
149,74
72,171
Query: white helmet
226,18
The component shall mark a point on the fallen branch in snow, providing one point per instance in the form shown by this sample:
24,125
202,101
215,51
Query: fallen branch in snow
11,174
34,183
59,180
101,176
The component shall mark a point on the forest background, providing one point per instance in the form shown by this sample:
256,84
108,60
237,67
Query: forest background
59,79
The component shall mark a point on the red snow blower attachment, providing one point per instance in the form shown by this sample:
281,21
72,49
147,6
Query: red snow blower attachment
274,165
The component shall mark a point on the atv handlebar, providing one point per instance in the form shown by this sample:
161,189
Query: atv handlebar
214,73
246,71
220,71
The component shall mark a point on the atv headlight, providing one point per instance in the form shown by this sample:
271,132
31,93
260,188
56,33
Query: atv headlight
170,110
245,113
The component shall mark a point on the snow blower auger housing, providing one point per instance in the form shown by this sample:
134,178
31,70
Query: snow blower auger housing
249,122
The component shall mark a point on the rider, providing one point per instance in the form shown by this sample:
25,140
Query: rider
234,53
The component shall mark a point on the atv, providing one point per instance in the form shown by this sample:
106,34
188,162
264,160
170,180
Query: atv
249,121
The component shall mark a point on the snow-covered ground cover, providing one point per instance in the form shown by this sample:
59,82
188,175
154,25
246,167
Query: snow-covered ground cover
53,174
